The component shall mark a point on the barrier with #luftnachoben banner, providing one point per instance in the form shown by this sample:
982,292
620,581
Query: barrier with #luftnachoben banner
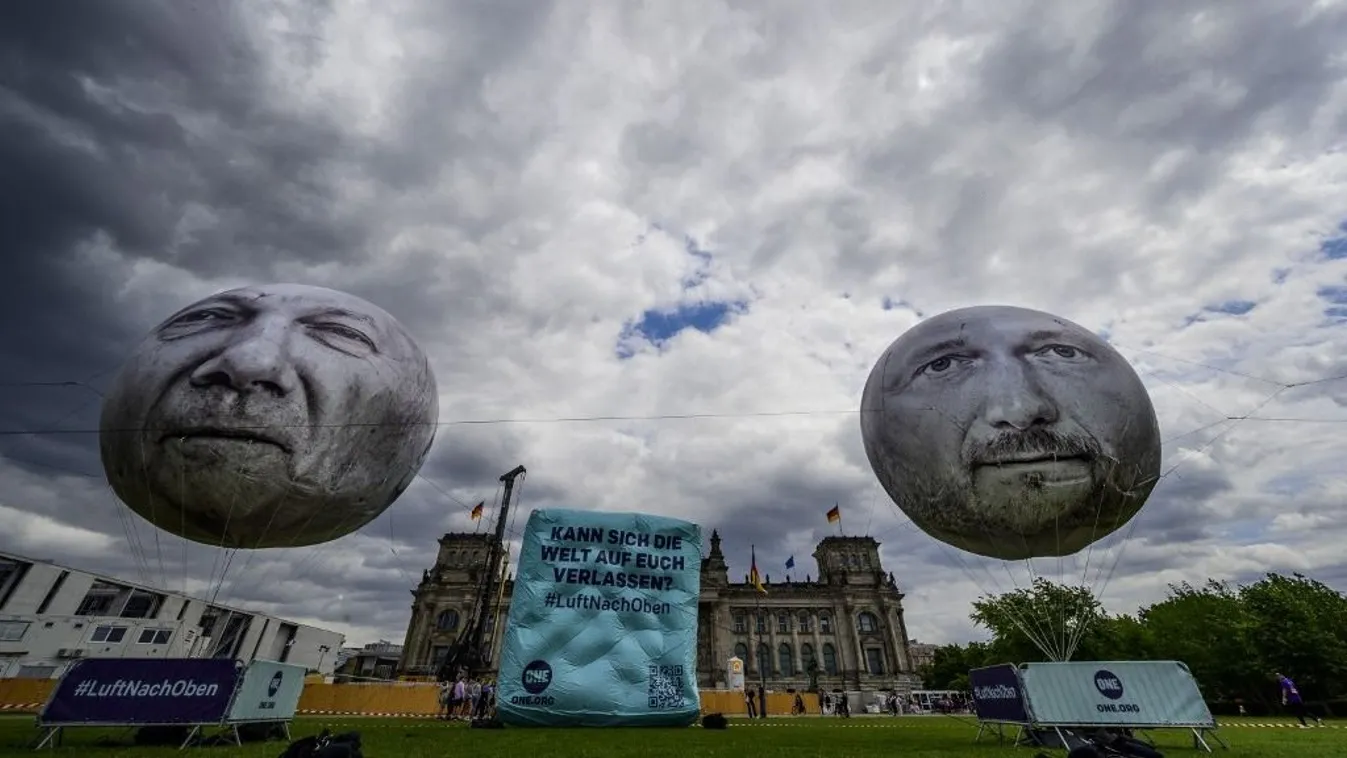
998,695
142,692
193,693
998,699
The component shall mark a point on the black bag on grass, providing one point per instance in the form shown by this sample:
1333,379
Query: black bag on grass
326,745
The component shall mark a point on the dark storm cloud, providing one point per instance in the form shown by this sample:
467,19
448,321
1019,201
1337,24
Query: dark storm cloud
123,121
1182,507
1186,84
1228,69
92,137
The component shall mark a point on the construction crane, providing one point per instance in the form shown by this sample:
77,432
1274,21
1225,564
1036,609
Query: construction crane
469,654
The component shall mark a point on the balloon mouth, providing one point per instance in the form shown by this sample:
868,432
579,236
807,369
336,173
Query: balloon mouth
1034,460
1037,472
234,435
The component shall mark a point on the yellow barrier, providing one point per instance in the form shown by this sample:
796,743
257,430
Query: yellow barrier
25,695
417,699
28,695
409,699
731,702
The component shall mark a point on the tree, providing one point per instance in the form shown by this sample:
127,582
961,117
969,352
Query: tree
1209,630
1045,620
949,666
1300,627
1232,639
1119,638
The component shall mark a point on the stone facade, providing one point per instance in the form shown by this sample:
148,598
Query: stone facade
923,653
846,626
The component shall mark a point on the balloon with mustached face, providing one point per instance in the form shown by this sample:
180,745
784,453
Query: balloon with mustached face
269,416
1010,433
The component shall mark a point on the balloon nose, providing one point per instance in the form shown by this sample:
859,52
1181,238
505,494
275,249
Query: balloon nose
257,363
1017,402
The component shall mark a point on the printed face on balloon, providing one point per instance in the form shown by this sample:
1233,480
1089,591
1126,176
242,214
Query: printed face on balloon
1010,432
267,416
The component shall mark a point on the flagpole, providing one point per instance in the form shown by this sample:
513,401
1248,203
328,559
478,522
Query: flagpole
757,618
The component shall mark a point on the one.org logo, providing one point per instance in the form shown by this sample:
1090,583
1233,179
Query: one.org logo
1108,684
275,685
537,676
995,692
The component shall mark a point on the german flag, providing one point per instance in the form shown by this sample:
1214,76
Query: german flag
477,510
754,577
834,514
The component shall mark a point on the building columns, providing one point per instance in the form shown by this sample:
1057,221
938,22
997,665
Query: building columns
900,664
754,641
773,667
796,657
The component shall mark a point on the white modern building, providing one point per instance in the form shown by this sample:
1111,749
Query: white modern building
52,615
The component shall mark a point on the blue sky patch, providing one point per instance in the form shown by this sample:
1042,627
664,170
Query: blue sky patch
1336,310
1335,248
704,317
1336,294
1229,308
1234,307
660,326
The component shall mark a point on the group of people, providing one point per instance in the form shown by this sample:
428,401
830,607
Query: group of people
466,699
755,702
835,704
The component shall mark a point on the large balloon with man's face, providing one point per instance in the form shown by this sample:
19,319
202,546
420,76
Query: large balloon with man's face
1010,433
269,416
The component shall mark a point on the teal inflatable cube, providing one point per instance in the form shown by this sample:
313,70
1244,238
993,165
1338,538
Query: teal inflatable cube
603,622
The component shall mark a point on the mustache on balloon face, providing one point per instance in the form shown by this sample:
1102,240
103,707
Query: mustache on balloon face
1033,446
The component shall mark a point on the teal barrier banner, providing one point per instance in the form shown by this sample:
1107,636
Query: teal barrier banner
603,622
1115,693
269,691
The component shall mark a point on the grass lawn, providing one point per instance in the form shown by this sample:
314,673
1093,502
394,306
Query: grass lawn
862,736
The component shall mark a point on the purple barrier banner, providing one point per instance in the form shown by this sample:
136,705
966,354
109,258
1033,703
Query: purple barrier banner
142,691
998,694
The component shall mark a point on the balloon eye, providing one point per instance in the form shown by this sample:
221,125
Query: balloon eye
345,332
1063,351
939,365
196,317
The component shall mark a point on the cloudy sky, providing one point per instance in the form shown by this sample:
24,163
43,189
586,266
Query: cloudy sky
659,209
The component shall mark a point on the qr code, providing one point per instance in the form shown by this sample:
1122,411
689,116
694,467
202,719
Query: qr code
666,687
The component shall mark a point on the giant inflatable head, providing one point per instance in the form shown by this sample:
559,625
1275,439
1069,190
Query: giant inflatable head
1010,433
269,416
